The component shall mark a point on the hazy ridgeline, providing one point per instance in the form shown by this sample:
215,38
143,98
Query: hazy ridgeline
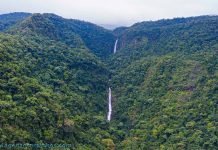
55,74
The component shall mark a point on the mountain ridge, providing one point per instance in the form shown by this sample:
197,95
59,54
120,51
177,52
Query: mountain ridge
55,74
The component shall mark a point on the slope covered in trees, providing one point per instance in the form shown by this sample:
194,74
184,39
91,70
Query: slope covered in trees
50,92
165,84
55,73
8,20
68,31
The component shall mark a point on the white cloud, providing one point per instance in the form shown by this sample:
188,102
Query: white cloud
120,12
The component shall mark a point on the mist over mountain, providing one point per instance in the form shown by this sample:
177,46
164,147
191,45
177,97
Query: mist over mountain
109,26
56,75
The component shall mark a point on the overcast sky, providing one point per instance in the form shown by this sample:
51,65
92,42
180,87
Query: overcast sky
114,12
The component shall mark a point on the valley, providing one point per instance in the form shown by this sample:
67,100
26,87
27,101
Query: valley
153,85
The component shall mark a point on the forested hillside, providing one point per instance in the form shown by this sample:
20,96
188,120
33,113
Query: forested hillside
55,74
165,84
51,92
8,20
71,32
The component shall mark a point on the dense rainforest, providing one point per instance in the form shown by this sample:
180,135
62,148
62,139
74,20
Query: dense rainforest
55,74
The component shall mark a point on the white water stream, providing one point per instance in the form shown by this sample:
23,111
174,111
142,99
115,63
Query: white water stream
109,91
115,46
109,105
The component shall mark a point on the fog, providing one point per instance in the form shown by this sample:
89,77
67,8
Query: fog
114,12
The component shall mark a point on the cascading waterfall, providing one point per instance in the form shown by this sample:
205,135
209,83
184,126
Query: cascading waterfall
115,46
109,105
109,91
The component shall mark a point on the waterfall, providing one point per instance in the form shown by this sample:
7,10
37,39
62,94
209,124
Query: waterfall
115,46
109,105
109,91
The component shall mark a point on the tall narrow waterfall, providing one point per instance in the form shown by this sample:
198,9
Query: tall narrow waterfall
109,105
109,91
115,46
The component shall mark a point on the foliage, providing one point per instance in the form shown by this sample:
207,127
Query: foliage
8,20
49,91
71,32
55,72
164,84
